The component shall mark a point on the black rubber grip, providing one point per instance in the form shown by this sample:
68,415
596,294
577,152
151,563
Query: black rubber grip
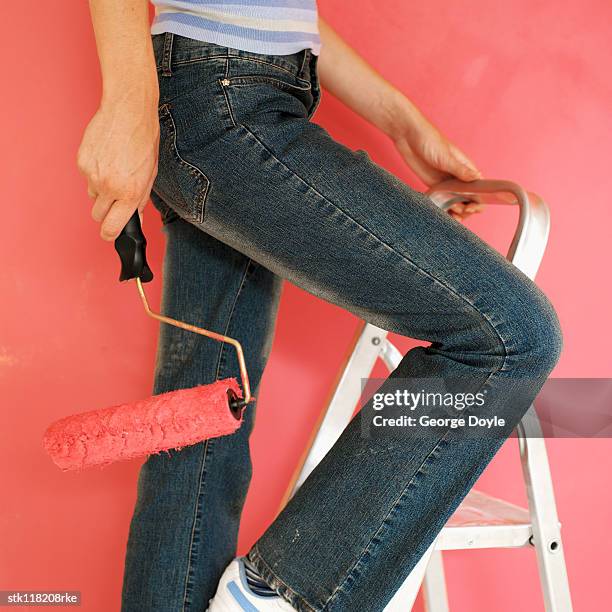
132,248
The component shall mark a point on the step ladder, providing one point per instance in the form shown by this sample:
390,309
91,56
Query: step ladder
481,521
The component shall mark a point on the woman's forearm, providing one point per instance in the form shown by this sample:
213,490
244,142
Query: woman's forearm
125,50
118,153
347,76
355,83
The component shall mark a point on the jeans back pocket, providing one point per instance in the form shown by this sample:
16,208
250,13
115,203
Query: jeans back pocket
182,185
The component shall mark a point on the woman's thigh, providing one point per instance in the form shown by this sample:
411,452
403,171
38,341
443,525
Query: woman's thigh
278,188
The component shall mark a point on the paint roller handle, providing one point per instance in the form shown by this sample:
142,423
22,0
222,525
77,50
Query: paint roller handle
131,246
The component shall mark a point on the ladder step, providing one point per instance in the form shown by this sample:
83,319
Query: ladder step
480,509
484,521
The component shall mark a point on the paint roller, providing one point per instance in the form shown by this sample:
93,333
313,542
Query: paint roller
167,421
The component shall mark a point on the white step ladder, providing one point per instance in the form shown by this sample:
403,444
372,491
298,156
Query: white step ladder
481,521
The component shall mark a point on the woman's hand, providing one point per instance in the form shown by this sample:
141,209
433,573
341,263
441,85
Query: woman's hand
431,156
118,156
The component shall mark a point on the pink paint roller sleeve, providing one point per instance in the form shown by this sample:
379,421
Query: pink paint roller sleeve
170,420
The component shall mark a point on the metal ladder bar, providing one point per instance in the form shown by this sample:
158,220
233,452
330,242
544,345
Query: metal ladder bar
544,519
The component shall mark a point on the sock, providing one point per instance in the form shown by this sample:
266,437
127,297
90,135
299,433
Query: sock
256,583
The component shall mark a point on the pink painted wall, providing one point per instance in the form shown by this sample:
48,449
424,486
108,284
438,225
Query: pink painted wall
522,86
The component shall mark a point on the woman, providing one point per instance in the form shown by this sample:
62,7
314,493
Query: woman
252,192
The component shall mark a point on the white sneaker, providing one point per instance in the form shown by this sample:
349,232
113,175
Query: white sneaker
234,595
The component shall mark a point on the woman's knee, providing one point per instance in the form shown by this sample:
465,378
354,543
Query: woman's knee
532,332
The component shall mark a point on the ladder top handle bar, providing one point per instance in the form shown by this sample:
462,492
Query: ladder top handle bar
449,192
529,241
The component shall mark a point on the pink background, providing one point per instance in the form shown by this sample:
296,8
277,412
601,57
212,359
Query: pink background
522,86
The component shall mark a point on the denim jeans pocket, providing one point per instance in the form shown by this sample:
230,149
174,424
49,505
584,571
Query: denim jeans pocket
257,84
179,183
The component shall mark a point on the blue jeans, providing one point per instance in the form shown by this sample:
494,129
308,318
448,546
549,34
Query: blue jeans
251,192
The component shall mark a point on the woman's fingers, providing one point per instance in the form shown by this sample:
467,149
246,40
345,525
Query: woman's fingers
118,156
101,206
460,165
114,213
438,162
474,208
461,210
456,211
116,219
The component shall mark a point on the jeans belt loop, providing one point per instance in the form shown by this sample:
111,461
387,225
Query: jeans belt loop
166,61
305,61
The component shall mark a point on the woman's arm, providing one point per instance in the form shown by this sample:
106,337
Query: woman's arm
118,153
354,82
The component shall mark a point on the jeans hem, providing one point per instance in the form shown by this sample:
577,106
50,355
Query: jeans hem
284,590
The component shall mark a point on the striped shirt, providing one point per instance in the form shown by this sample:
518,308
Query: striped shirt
272,27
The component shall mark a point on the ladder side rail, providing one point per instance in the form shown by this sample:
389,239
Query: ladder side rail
544,518
366,348
434,585
403,599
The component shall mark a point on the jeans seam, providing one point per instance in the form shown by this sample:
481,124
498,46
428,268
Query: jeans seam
225,96
206,453
166,61
198,60
201,475
192,169
305,57
222,349
264,63
431,276
391,509
316,87
255,79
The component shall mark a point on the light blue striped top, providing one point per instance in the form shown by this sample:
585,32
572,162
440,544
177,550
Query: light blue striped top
272,27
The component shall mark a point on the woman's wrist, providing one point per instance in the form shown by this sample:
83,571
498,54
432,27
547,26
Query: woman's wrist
134,84
397,114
